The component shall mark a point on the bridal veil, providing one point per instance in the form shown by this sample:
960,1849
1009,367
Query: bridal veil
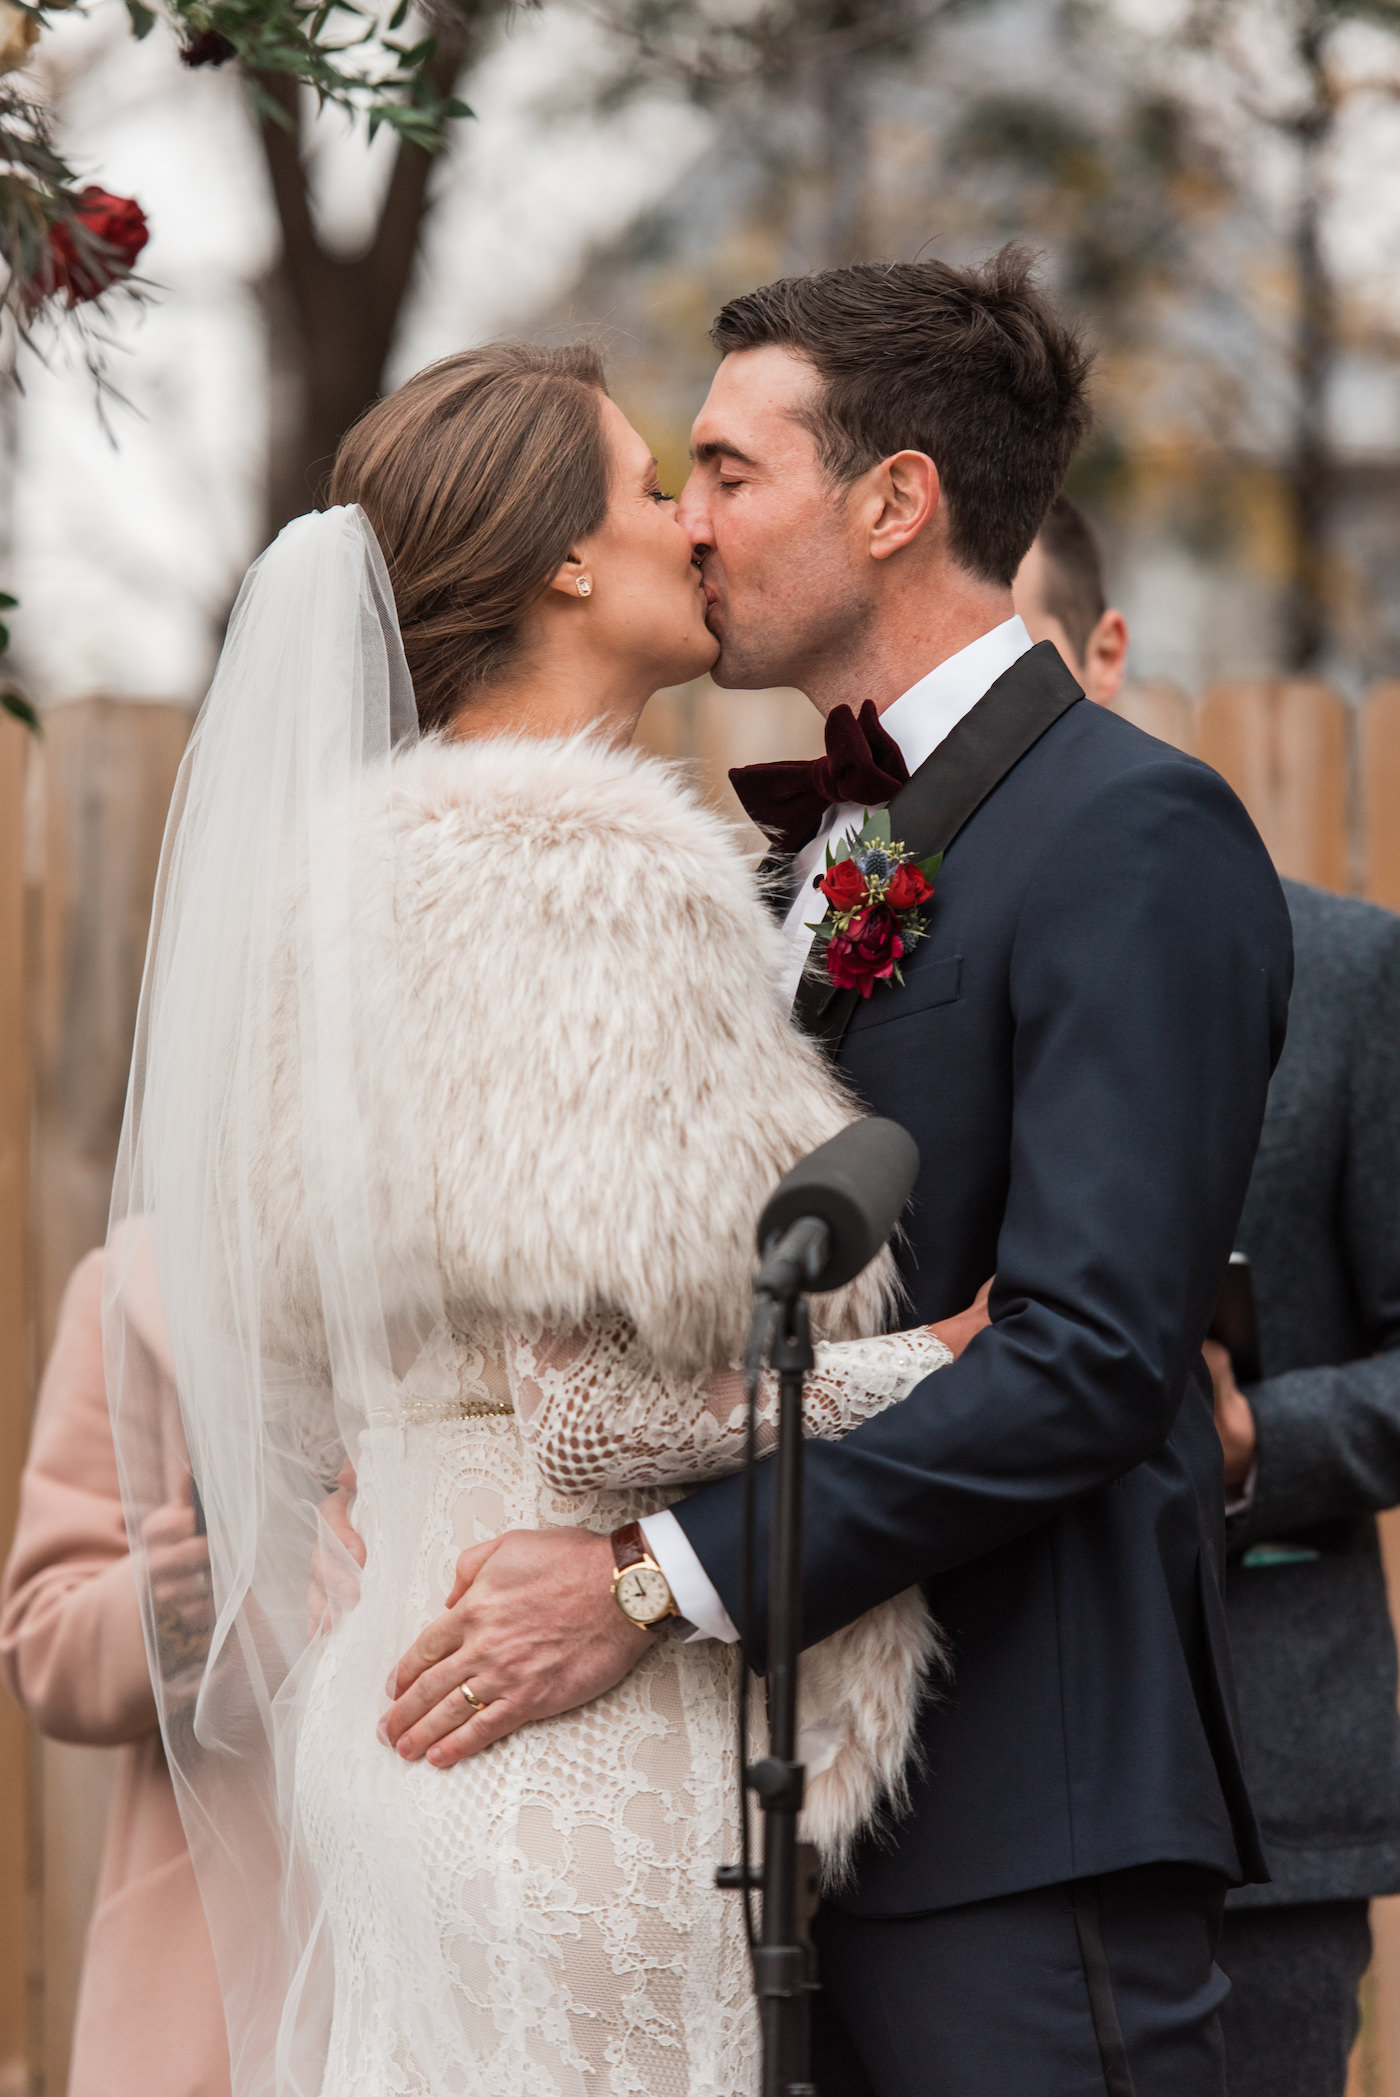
262,908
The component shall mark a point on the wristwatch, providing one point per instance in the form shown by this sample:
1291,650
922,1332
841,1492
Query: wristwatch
640,1588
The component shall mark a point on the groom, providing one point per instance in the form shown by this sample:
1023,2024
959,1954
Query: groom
1081,1049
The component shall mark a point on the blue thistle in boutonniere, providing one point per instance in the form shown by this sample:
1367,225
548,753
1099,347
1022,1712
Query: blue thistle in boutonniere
875,896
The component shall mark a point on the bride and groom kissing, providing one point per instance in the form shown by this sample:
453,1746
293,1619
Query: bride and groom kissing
470,1050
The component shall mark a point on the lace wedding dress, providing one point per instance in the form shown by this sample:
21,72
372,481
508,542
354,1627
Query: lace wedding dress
541,1920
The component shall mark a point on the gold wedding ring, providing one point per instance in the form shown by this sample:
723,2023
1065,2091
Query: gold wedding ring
470,1698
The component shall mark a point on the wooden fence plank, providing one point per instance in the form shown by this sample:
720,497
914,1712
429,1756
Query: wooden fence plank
108,770
711,730
1380,793
18,1966
1282,744
750,728
667,727
1159,709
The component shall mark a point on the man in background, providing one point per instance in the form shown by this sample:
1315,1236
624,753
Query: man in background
1059,594
1312,1451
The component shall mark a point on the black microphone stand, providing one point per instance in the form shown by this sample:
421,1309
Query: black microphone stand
823,1223
784,1962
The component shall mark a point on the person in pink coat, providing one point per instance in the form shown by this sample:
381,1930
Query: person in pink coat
149,2018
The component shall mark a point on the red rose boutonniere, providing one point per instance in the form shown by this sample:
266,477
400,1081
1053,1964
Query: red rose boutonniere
875,893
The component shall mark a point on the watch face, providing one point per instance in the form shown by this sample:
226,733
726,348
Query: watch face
643,1593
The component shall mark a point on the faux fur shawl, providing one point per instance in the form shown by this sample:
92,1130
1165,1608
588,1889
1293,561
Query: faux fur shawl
578,1086
577,1075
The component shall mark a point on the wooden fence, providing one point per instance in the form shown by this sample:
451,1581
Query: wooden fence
81,814
1320,778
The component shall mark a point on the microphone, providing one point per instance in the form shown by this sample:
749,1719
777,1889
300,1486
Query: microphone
831,1214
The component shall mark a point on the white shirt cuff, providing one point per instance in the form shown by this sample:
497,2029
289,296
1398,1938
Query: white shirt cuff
687,1579
1238,1499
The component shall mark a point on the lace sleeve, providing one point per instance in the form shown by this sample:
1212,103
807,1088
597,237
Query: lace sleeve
596,1412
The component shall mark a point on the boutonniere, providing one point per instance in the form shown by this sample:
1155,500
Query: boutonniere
875,895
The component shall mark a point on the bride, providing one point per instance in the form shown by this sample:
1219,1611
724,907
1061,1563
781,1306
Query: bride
462,1075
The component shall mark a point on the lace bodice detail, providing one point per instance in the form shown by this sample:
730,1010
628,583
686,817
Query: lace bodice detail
542,1919
595,1411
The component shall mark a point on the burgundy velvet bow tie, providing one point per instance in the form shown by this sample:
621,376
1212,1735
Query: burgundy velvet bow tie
863,765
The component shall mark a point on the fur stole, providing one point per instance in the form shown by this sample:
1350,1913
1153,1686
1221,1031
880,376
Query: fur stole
578,1087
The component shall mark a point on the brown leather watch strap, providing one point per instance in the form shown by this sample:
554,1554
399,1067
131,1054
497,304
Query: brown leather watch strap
629,1547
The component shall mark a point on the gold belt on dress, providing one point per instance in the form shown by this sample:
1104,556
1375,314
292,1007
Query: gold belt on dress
417,1409
423,1412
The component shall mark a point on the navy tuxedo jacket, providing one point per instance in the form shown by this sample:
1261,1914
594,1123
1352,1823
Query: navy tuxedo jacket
1082,1050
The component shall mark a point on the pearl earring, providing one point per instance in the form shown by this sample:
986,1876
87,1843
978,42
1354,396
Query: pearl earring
584,586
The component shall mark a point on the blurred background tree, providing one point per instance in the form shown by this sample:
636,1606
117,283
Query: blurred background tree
58,252
1293,78
67,249
1191,202
333,315
1189,171
797,69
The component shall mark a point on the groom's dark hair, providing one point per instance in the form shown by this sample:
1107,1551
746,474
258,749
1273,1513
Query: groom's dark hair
971,366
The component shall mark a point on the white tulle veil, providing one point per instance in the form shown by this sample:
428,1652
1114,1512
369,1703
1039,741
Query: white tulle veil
259,899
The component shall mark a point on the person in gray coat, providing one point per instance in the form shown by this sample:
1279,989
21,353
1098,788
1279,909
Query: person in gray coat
1312,1455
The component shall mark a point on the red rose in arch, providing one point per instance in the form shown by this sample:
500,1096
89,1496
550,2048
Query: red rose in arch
85,271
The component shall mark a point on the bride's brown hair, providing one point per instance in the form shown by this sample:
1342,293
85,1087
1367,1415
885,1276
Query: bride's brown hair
478,476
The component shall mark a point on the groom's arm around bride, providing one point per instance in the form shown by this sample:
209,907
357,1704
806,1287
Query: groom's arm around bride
1081,1049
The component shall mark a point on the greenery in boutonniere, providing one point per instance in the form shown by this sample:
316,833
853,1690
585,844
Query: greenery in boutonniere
875,894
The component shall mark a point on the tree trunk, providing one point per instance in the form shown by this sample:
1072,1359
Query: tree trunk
1310,471
843,115
332,318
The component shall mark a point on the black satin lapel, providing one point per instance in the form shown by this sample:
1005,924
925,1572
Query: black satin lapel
947,791
815,994
987,743
824,1011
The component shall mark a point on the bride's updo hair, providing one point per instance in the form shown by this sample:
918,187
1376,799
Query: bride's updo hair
478,476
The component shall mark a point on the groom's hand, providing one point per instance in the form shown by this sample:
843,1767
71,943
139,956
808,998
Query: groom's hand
1234,1416
531,1625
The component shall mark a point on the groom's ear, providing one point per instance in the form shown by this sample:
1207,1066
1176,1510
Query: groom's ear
904,499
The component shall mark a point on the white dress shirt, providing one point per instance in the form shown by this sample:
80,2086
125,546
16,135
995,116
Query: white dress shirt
918,721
